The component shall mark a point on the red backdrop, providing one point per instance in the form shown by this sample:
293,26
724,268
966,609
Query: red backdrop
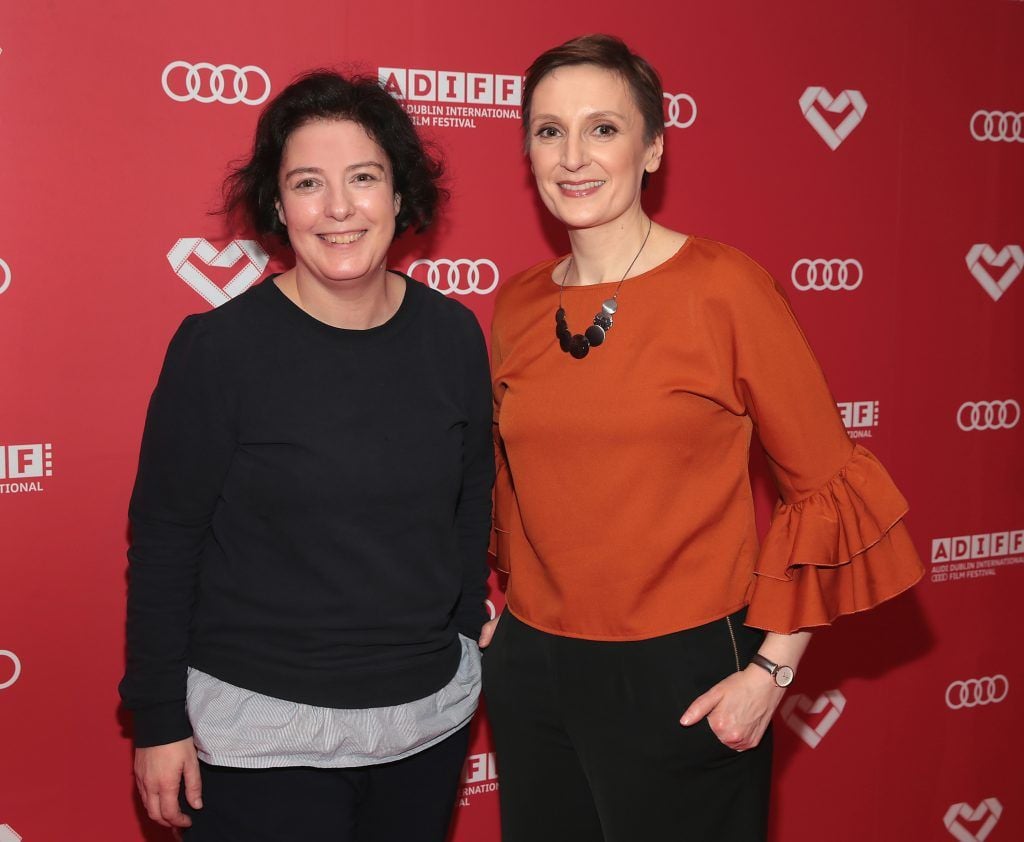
870,154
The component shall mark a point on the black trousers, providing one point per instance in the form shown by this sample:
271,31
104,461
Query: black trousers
409,800
589,745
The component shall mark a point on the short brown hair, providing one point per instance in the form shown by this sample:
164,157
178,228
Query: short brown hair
612,54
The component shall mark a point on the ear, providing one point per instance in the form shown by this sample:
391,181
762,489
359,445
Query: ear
280,212
398,203
654,153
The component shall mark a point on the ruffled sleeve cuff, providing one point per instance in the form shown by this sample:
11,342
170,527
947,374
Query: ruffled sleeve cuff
840,550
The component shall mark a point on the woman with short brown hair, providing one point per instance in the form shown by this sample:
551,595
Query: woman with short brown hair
647,639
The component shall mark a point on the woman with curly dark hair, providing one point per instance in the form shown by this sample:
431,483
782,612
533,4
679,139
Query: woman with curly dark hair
311,512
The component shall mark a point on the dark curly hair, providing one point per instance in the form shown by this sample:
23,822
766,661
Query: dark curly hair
251,191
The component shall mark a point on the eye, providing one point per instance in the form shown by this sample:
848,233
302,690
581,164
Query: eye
605,130
546,132
305,184
364,177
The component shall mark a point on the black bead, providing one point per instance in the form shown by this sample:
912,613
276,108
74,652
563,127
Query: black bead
565,340
579,346
559,315
595,335
603,320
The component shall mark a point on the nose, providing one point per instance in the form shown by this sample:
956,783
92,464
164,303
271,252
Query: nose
574,153
339,203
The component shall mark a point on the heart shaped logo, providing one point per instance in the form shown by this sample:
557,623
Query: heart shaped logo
7,834
853,100
797,710
256,262
985,816
1014,255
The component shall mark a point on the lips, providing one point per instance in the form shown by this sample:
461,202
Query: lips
579,188
342,238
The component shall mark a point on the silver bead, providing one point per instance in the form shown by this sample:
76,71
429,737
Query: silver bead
609,306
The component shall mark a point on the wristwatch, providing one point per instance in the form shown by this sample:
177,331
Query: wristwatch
782,675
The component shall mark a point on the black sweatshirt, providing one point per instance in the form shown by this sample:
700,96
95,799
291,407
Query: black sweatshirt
312,508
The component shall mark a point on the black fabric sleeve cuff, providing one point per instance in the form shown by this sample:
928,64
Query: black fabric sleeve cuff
161,724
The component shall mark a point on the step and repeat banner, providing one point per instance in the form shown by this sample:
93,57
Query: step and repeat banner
869,154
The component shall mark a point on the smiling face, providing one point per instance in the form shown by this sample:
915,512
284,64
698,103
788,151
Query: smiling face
587,148
337,201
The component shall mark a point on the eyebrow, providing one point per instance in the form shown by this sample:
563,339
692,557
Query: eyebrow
592,116
349,168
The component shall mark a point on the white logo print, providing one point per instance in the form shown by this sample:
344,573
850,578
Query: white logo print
7,834
988,415
831,703
987,812
984,252
25,461
822,274
1006,126
5,276
674,110
981,545
182,87
15,674
480,276
989,690
851,99
452,86
234,251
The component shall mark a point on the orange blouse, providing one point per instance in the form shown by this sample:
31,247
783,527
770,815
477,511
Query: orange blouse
623,507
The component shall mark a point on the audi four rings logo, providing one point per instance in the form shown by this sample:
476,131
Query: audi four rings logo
988,415
1005,126
674,110
5,276
15,669
460,276
225,83
989,690
822,274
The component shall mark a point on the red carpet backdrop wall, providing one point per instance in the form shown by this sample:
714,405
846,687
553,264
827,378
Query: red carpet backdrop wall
870,154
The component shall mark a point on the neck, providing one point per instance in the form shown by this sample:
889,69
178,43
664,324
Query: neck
602,254
357,304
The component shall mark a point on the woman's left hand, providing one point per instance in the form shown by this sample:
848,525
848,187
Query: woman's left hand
738,708
487,632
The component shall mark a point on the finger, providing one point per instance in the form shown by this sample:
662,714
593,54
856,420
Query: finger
170,811
487,633
153,809
193,784
700,707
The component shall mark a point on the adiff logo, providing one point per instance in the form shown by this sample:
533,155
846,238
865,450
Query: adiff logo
985,816
849,99
25,465
811,719
254,257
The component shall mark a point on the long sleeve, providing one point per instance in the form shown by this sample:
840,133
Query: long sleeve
473,516
505,507
186,450
837,543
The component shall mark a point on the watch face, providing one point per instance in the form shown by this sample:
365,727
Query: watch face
784,676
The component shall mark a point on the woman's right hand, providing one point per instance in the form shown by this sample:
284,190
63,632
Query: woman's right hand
158,774
487,632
